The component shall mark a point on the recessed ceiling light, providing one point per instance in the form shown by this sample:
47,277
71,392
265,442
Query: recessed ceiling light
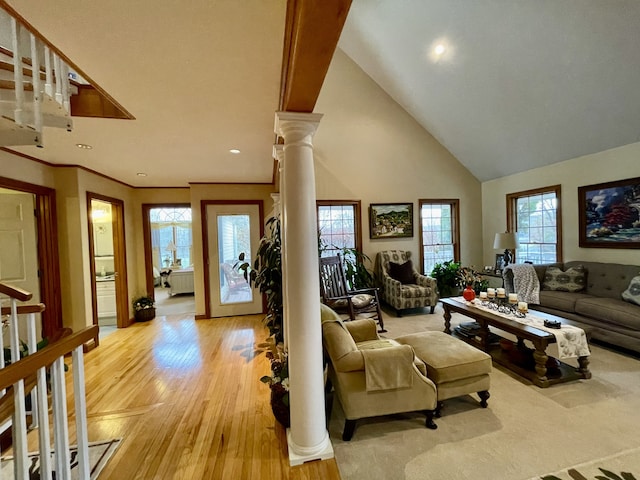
84,146
235,151
439,50
141,174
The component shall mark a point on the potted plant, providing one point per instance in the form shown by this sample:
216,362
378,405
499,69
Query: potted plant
144,307
447,277
278,381
266,275
357,274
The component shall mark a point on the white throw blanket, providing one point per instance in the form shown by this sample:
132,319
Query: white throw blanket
525,282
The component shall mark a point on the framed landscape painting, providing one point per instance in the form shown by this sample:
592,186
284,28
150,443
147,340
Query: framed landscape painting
390,220
609,214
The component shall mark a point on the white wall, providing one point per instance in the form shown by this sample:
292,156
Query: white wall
615,164
368,148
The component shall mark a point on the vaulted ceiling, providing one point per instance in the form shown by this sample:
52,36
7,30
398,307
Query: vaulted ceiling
518,84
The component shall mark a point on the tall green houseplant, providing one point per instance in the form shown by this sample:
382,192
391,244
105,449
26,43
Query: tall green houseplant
266,275
355,270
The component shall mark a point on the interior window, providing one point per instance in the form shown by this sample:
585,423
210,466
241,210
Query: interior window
338,226
439,233
535,216
171,239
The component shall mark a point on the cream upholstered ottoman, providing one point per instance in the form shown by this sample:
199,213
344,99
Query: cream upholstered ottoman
454,366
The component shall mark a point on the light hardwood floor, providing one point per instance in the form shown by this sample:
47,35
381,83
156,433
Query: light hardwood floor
185,397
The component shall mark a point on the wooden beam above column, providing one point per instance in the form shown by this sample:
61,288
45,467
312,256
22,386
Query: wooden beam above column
312,32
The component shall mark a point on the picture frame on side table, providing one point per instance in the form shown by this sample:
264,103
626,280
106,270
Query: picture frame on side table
608,214
390,220
499,263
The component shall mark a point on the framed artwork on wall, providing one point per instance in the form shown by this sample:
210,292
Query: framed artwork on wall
609,214
390,220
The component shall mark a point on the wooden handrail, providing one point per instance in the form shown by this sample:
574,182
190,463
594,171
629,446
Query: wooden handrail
22,309
15,292
45,357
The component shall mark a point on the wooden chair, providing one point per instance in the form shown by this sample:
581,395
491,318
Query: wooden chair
336,294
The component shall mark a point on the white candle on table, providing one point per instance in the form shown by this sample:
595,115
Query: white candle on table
483,295
513,298
522,306
491,292
500,292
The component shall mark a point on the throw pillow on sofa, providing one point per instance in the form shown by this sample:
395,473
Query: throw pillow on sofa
402,273
572,280
632,293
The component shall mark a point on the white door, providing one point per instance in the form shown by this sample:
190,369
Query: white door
232,229
19,245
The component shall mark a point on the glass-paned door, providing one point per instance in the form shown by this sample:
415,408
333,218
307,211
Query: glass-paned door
232,230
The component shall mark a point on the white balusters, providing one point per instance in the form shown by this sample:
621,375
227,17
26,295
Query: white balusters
17,72
37,88
57,67
48,71
32,347
43,423
81,413
21,459
60,427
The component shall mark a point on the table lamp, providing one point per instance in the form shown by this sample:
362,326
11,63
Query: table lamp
506,241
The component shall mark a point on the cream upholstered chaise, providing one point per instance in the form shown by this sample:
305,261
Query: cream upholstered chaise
409,289
373,376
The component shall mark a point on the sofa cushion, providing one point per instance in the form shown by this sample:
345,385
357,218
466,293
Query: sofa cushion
632,293
414,291
402,272
572,280
564,301
610,310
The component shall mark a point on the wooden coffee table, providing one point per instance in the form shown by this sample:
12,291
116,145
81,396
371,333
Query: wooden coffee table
538,337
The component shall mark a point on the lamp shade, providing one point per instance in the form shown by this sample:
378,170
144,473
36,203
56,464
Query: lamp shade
505,241
171,247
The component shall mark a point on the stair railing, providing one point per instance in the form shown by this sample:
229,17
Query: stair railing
30,374
36,103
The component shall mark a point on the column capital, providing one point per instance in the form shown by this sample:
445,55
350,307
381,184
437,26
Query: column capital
278,152
295,126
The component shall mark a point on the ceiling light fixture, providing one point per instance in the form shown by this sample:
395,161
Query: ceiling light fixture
440,50
84,146
235,151
141,174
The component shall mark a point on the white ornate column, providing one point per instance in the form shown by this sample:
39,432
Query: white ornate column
308,438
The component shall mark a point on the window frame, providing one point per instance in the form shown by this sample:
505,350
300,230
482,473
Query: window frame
357,217
512,220
454,203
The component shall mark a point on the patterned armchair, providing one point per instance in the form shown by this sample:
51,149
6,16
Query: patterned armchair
408,289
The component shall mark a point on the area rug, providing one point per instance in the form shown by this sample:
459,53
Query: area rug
622,466
525,432
99,454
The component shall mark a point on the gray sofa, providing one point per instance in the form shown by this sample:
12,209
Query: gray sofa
599,309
